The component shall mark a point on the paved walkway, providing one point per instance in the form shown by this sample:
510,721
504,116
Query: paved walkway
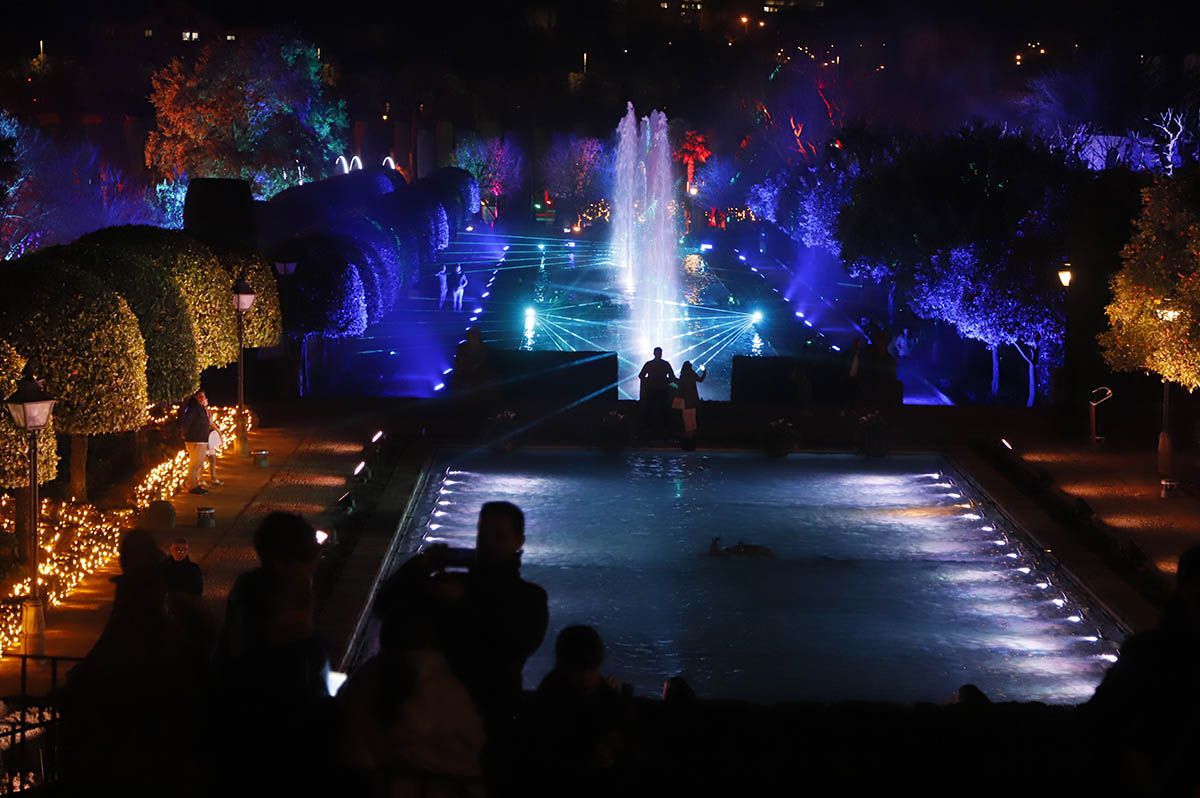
1123,488
309,469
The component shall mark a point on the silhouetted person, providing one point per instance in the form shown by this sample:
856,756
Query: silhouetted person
133,706
1144,713
180,574
442,279
470,362
410,726
490,619
271,666
460,287
689,379
576,719
856,364
656,377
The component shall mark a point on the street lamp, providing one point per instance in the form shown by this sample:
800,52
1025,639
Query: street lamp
745,24
243,300
1169,315
1064,275
30,407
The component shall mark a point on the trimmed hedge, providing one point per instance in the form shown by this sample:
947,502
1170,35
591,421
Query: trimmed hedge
172,366
81,338
205,286
326,294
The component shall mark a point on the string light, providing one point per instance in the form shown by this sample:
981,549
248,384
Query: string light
77,540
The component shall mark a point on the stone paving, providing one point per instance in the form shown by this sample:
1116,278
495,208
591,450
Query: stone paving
309,469
1124,490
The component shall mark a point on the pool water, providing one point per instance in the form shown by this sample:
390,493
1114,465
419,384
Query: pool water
890,581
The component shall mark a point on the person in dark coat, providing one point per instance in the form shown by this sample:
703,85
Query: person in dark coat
689,392
577,719
655,378
134,705
180,574
272,669
490,619
1143,714
195,426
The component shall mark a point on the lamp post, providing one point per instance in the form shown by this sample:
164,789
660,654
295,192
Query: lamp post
30,407
1168,314
1066,383
243,300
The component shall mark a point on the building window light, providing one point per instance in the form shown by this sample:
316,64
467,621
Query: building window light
148,32
229,37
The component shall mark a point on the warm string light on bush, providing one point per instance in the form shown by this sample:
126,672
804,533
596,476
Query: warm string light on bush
77,540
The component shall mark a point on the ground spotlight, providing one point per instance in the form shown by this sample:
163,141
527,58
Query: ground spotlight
322,536
1007,445
530,319
756,316
439,386
506,247
705,247
541,247
566,229
470,228
362,472
377,436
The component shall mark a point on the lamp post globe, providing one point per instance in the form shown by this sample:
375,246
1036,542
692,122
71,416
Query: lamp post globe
30,407
243,300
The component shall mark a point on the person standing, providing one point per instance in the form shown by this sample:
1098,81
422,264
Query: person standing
442,279
180,574
656,377
460,288
489,621
689,378
195,425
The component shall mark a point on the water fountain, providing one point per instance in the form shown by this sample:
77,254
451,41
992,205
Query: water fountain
645,237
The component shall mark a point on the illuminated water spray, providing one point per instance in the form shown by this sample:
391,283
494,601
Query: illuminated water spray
645,239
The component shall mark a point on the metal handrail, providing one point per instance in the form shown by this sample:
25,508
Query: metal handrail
38,717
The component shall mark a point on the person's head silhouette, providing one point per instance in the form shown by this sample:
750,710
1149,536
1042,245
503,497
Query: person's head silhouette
658,353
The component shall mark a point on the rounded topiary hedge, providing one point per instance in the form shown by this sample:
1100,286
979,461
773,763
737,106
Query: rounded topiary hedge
204,285
80,337
326,294
172,365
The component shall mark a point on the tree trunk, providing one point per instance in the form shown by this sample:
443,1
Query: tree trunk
995,372
303,375
892,304
79,452
1032,394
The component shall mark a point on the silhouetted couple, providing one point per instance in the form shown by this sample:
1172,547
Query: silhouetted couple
477,627
657,378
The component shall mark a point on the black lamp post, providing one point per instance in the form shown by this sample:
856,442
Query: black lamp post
30,407
1169,314
243,300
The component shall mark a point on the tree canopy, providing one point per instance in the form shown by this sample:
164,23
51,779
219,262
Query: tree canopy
262,110
1154,316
